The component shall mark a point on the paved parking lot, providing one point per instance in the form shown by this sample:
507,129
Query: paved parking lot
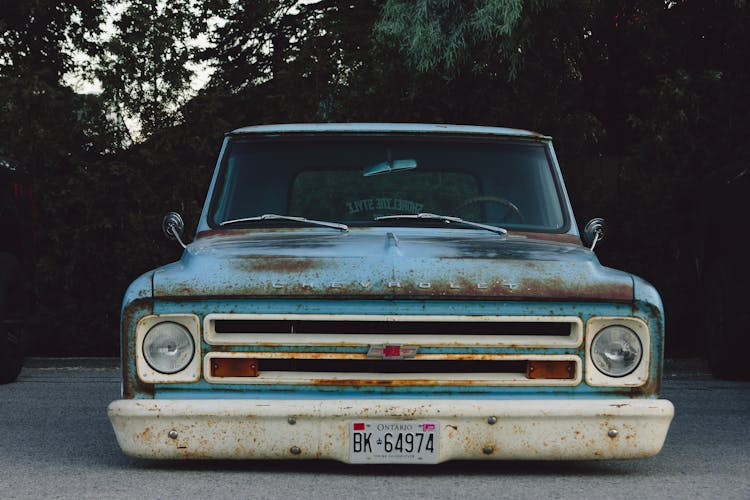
56,442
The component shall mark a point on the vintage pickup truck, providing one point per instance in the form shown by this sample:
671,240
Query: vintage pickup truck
389,293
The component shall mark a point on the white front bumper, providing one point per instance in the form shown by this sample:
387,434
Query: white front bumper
271,429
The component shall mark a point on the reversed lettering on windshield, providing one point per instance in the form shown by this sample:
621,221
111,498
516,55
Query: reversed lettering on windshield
396,204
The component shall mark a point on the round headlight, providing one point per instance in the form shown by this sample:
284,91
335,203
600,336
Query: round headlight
168,347
616,351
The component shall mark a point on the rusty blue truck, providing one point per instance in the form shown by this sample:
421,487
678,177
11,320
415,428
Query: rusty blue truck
389,293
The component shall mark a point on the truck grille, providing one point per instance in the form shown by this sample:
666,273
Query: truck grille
424,370
364,330
323,327
383,350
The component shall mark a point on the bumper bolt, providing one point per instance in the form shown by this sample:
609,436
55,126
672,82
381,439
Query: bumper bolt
172,434
291,420
613,433
295,450
492,420
487,450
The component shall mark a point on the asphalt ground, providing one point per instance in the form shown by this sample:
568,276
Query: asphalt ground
56,442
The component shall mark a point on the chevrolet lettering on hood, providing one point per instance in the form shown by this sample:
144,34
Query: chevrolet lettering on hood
424,285
389,293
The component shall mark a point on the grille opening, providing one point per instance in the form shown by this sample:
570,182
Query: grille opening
251,326
390,366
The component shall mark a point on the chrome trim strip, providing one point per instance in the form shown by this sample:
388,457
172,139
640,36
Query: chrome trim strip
393,379
575,339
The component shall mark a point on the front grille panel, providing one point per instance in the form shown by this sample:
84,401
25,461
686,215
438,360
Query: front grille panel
395,366
365,330
323,327
351,369
391,350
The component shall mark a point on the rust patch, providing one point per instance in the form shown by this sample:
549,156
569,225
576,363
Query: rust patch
557,238
281,265
573,290
130,315
353,383
649,389
386,383
543,287
240,232
539,369
259,356
652,311
234,367
219,232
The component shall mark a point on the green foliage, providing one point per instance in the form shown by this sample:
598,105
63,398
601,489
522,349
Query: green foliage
644,100
34,36
143,65
283,62
445,34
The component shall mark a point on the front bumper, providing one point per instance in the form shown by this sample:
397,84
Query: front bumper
286,429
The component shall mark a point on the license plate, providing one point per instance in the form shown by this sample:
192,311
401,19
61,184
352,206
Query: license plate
401,442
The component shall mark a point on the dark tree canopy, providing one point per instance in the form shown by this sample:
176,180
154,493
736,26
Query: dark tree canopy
644,99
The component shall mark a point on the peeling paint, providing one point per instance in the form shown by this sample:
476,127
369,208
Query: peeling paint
291,387
323,265
526,430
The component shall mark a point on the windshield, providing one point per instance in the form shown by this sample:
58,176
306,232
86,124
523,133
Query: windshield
355,179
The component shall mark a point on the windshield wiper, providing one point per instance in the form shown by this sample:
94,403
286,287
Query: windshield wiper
334,225
445,218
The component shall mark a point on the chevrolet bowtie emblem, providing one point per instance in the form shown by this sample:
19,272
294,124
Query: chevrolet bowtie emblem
391,351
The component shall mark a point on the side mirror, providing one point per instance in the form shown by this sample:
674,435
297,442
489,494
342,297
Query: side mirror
173,227
594,232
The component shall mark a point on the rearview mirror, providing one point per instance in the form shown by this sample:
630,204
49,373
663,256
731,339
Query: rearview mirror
173,227
389,166
594,231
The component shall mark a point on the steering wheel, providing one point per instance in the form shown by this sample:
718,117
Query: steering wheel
512,209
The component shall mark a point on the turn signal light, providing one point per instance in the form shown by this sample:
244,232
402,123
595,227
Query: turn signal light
551,369
234,367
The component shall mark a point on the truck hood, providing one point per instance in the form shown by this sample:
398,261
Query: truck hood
371,263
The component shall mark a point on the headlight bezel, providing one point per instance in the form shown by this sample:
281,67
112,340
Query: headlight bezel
632,339
162,329
635,378
147,373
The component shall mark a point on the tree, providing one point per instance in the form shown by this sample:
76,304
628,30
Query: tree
144,64
446,34
643,98
281,61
